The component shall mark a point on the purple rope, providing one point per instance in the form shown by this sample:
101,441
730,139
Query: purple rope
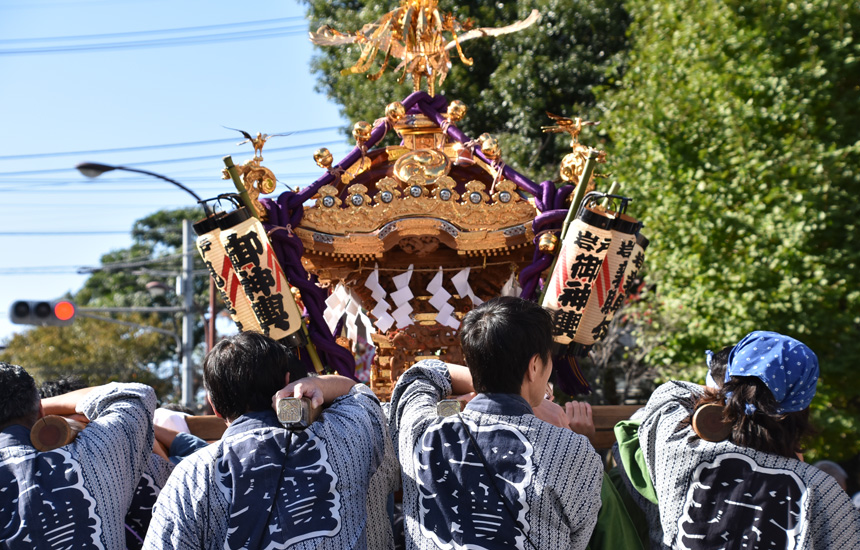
289,249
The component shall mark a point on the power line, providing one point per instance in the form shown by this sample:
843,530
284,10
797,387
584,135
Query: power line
164,42
60,233
154,31
166,161
150,147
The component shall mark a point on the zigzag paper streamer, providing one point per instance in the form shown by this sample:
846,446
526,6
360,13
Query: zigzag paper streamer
383,319
511,287
439,300
461,283
401,298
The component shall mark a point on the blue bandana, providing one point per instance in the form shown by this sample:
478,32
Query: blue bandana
788,367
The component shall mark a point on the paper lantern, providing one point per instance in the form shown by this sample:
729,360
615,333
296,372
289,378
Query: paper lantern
583,250
609,282
221,269
247,246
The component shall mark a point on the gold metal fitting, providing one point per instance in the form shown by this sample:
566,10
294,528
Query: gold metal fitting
548,243
395,111
491,148
361,132
323,158
456,111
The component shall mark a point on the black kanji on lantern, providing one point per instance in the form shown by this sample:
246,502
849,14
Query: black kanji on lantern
585,266
258,280
600,330
586,241
618,279
244,250
270,312
608,302
566,322
638,260
575,295
626,248
219,281
604,245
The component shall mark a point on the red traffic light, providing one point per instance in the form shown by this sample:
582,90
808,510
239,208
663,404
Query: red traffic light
64,310
41,312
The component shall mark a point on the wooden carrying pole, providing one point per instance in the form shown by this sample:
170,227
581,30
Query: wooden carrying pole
52,431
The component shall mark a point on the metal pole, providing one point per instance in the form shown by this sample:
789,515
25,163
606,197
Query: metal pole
187,279
210,334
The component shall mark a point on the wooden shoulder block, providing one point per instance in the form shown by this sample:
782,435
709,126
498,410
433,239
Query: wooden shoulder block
208,427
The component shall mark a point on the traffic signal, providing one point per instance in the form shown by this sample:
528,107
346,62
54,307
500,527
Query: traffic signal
40,312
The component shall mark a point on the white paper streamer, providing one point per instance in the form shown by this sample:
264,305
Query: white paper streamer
511,287
383,319
401,298
335,306
439,300
461,283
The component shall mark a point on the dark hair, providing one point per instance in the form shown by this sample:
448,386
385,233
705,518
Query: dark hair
763,429
244,371
499,338
65,384
719,364
19,398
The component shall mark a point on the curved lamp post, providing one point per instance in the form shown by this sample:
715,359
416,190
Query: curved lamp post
93,170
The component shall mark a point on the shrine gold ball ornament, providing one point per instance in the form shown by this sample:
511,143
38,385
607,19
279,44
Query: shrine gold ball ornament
323,158
361,132
456,111
395,112
491,148
548,243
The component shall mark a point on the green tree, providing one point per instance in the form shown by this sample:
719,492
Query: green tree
97,351
737,132
551,66
100,351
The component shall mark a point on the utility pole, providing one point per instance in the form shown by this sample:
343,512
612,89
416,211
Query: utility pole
187,284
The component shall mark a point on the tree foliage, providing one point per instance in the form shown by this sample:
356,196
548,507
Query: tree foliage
551,66
100,351
737,132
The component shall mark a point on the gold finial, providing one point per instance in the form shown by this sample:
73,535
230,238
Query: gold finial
413,33
395,111
456,111
258,142
573,163
572,126
361,132
323,158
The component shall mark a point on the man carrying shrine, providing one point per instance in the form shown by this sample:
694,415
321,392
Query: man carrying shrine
494,476
263,486
738,482
75,496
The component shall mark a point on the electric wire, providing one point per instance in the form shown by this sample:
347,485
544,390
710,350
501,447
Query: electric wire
154,31
164,42
151,147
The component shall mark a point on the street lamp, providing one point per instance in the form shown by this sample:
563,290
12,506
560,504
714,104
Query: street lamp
93,170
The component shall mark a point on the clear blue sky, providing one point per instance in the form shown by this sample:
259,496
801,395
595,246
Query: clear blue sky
97,96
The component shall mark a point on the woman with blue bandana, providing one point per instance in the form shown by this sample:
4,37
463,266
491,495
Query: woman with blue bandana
719,466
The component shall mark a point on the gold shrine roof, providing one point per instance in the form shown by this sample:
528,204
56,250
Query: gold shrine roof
425,189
